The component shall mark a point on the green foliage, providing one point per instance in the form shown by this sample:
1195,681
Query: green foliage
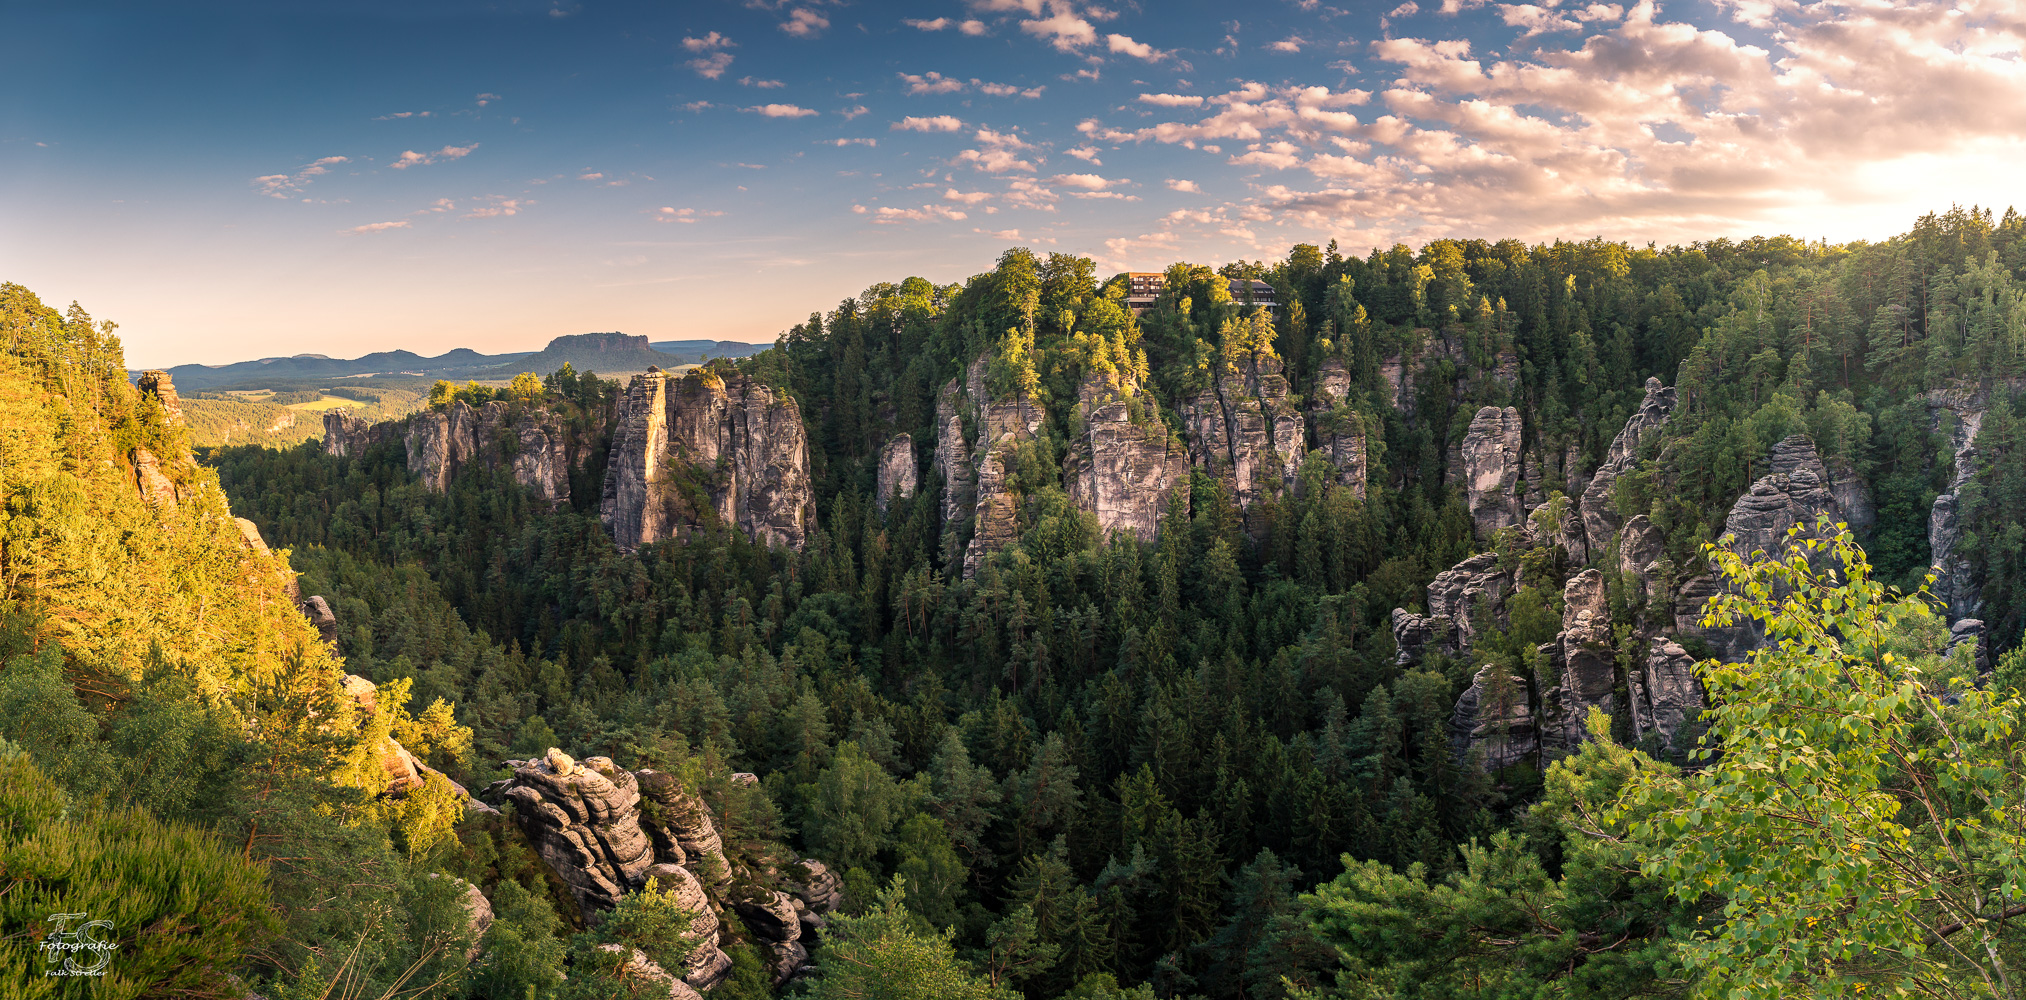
1861,821
176,907
881,956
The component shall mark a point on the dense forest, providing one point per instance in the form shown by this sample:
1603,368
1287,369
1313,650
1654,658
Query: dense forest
1085,763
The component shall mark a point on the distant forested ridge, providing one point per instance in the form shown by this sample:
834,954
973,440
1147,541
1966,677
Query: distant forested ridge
1414,637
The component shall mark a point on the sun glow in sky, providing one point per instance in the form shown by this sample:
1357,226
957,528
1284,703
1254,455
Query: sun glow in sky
241,179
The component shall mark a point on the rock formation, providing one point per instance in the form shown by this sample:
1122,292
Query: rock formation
1954,584
156,488
1001,425
530,442
1584,665
707,449
953,457
604,832
1125,465
1641,545
155,382
1339,430
1599,503
896,471
1463,602
1493,715
1664,692
346,435
1491,469
1759,520
1242,428
318,611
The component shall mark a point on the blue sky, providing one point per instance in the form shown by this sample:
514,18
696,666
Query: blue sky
235,180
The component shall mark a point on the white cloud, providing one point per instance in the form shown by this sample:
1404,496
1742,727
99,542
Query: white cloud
1088,154
1006,139
805,23
747,81
999,234
852,142
1123,44
938,123
781,111
695,106
855,111
1064,30
994,161
498,205
405,114
711,61
1184,186
485,99
373,227
1172,100
932,82
1291,43
973,28
590,176
966,197
1087,182
888,216
288,186
411,158
682,215
1007,89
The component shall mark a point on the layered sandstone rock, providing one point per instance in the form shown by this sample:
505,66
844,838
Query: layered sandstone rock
1243,429
1464,602
346,435
1491,469
1954,584
531,443
1599,503
1758,522
896,477
975,467
1339,430
1664,692
1582,658
1641,546
953,456
1493,717
584,822
704,449
1125,465
318,611
155,382
156,487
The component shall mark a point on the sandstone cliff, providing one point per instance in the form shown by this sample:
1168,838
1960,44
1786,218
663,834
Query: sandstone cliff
346,435
1585,667
155,382
1243,429
1124,465
897,473
530,442
1339,430
1491,469
1599,504
703,449
603,832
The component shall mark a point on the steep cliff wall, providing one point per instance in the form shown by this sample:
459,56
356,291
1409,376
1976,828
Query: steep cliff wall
1125,464
1491,469
897,473
1339,430
1599,504
1243,429
530,442
703,449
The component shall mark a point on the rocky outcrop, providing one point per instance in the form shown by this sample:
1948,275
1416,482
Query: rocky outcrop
318,611
1599,504
1125,465
346,435
953,457
974,468
896,478
155,382
1491,469
707,449
1641,546
156,488
530,442
1339,430
1464,602
638,968
1664,692
584,822
1243,429
1758,522
1954,584
1493,717
605,832
1971,630
1584,665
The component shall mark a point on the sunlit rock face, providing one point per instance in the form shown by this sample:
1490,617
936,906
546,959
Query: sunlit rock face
531,443
1599,501
1491,469
1125,465
897,474
705,449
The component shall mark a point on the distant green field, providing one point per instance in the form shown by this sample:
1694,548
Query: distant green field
256,414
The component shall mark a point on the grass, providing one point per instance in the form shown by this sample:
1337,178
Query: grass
328,403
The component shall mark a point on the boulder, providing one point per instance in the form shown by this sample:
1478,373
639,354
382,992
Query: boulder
683,830
640,968
157,489
1491,469
318,611
1599,504
897,475
771,917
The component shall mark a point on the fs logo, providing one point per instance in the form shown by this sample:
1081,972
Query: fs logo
73,937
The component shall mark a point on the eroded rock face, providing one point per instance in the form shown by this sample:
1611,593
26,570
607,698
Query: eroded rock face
975,469
1414,636
896,471
1491,469
1339,430
318,611
1665,693
346,435
1582,656
683,829
1471,596
1493,717
531,443
639,968
1125,466
1954,584
1243,430
585,824
1760,519
953,457
155,382
1599,504
1640,548
707,449
156,488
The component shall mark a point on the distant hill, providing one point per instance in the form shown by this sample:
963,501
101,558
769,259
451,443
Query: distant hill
695,351
604,353
460,362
